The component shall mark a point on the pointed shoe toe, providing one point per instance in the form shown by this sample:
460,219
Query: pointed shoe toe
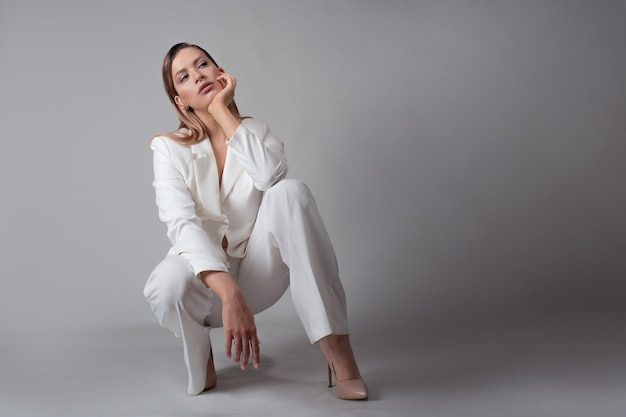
352,389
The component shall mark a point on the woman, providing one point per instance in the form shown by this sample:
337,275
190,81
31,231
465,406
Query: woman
241,233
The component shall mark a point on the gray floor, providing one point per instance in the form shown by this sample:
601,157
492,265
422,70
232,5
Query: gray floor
560,367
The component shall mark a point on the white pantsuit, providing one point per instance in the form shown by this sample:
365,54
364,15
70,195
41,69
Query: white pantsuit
276,239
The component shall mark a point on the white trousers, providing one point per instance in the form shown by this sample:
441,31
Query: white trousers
289,246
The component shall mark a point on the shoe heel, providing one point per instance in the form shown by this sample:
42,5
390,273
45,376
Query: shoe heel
330,376
349,389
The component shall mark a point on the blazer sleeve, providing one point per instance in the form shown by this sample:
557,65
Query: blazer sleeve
177,210
260,153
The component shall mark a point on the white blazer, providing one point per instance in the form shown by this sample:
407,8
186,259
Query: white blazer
198,212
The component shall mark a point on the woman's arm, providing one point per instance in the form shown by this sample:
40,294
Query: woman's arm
260,152
177,210
237,318
207,258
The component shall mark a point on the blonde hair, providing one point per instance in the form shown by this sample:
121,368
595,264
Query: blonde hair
191,129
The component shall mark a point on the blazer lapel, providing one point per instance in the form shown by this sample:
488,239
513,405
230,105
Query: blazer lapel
232,171
205,172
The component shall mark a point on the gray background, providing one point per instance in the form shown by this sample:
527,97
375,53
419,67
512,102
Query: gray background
467,157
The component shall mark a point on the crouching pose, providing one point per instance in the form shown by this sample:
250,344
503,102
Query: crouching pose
241,233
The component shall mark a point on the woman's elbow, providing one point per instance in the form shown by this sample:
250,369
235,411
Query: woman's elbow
265,182
263,185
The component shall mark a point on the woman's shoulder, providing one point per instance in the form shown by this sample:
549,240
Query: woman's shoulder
167,142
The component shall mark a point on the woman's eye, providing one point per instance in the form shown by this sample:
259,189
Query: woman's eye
202,64
183,78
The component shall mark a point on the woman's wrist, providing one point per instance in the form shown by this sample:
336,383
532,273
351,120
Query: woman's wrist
222,284
225,118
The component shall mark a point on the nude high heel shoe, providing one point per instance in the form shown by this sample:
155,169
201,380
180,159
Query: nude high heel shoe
350,389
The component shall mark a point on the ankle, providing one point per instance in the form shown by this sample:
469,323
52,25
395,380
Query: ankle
334,341
339,355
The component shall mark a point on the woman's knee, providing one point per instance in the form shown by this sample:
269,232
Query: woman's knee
168,283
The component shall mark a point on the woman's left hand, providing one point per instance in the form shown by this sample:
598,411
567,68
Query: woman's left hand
227,95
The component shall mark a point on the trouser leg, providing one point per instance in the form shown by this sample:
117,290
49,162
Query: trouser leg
290,246
181,304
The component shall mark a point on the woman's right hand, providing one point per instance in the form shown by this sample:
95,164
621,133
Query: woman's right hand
240,334
240,331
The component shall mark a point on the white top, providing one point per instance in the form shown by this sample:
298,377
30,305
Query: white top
197,211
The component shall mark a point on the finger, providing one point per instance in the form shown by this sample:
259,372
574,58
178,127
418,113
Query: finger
222,80
245,354
237,353
229,80
228,340
256,351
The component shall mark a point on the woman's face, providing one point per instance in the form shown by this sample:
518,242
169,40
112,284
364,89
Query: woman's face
194,77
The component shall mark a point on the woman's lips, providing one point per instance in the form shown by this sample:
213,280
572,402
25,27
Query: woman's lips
205,88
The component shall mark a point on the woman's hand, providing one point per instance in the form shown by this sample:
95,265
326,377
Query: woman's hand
226,95
238,321
240,332
219,105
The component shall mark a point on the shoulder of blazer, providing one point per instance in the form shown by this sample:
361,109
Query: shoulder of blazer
173,149
179,155
258,127
168,145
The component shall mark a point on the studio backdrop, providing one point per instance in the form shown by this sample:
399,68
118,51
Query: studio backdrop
467,156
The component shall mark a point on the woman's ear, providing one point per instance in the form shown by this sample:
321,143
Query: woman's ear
179,101
221,70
